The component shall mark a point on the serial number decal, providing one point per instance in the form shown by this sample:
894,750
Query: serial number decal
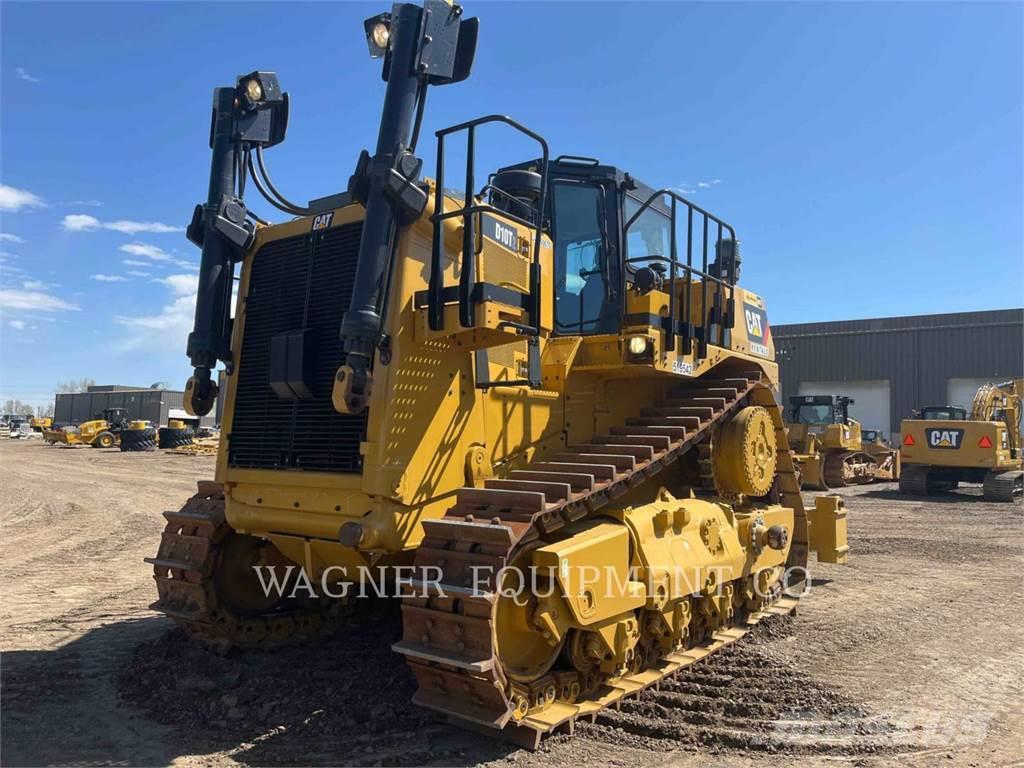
680,367
323,221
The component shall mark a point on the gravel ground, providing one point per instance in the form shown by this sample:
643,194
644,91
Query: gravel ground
911,655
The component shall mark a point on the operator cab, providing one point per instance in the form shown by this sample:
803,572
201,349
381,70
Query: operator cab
873,435
611,234
943,413
820,409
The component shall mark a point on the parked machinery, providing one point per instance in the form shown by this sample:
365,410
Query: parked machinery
555,373
40,423
827,443
944,445
876,445
102,431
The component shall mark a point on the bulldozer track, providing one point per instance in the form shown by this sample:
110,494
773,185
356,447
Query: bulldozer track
835,474
449,628
184,572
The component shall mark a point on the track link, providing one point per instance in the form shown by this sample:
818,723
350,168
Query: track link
1004,486
914,481
448,636
184,569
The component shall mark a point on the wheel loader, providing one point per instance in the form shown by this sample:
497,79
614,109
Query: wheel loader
544,403
102,431
828,445
944,446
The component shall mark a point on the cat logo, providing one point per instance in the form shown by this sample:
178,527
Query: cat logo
323,221
944,438
758,333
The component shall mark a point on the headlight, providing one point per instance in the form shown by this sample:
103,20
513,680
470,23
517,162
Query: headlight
254,90
637,345
381,34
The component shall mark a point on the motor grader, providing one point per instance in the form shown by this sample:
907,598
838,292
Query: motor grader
828,447
944,445
550,376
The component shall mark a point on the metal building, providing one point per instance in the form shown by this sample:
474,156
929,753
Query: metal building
893,365
155,405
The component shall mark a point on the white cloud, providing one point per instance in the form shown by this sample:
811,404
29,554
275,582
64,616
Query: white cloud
187,265
23,74
35,285
34,300
108,278
90,203
14,199
176,317
137,273
11,238
180,285
137,263
80,222
169,328
134,227
83,222
147,250
17,324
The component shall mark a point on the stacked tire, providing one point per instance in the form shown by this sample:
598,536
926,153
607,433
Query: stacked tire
174,438
139,439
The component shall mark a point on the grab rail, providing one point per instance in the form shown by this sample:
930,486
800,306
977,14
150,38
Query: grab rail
467,277
685,328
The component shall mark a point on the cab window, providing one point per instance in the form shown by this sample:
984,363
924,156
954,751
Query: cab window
584,291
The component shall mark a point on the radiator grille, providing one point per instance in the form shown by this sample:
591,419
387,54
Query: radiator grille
298,283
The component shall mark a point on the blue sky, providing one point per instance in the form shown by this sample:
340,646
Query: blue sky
868,154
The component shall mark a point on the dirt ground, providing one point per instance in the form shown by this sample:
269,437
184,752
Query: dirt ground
911,655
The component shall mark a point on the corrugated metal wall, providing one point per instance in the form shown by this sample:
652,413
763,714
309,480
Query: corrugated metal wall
917,354
149,404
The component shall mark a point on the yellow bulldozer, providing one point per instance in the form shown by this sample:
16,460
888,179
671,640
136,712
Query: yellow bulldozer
544,404
828,444
102,431
944,446
876,445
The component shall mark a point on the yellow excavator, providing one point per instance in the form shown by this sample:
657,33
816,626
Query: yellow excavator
944,445
546,404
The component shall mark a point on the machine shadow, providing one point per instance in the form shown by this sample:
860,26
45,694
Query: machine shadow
945,497
141,692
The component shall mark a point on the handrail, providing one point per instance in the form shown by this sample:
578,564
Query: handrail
467,277
685,327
